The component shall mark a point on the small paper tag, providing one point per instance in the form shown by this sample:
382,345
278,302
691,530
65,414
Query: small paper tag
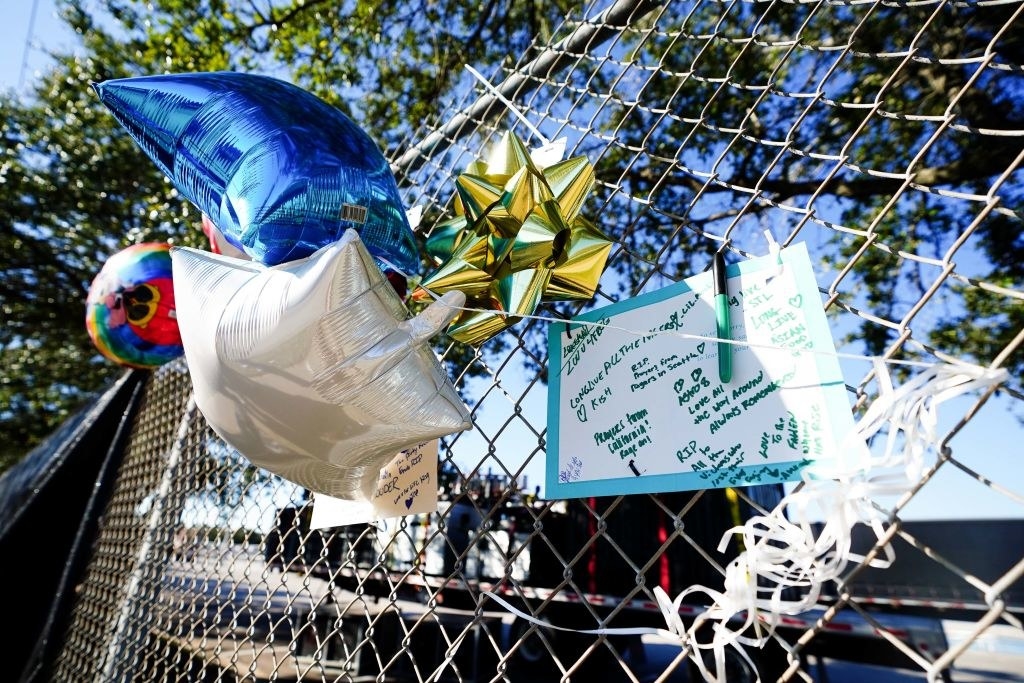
549,154
414,216
407,485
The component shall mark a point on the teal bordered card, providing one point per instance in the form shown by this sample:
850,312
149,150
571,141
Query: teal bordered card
637,404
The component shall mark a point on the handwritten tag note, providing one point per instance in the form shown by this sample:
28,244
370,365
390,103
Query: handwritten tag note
407,485
635,407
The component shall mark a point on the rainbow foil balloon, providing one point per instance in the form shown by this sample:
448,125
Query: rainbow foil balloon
129,311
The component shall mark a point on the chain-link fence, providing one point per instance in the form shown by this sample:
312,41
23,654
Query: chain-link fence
887,136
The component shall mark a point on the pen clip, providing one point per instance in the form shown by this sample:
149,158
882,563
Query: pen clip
723,323
718,277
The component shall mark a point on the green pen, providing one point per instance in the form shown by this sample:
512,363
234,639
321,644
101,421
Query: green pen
722,317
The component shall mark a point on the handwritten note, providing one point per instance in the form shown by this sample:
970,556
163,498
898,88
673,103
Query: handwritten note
635,407
407,485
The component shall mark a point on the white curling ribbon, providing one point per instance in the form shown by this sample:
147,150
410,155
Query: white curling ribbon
782,552
738,603
632,631
775,251
551,151
911,411
670,611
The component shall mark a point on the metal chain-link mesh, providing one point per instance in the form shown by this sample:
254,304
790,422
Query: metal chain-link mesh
885,136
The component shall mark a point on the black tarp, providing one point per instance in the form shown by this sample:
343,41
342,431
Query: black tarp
987,549
50,502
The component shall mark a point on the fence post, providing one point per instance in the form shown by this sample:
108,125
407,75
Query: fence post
151,556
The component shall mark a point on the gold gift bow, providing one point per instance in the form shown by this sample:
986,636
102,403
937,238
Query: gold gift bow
517,238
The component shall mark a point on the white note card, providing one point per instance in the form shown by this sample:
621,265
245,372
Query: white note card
407,485
634,406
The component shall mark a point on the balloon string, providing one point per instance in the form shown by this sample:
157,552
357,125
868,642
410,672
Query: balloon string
508,104
712,338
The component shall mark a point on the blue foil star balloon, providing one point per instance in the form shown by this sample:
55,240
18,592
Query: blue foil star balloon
279,171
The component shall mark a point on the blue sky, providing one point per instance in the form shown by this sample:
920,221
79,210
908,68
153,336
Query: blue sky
989,443
48,32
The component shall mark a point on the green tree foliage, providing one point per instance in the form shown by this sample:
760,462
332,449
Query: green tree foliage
74,188
787,114
870,120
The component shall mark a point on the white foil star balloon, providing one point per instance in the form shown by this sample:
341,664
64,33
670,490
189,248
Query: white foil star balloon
314,369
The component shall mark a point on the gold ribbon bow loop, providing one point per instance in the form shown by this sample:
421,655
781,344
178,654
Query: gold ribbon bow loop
570,182
576,277
524,192
476,195
445,237
503,160
542,239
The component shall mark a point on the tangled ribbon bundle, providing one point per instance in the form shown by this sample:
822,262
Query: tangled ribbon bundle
782,552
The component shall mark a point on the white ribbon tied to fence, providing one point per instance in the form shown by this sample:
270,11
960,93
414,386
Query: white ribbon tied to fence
781,549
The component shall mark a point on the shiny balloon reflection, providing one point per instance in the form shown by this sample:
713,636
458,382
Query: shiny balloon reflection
314,369
279,171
